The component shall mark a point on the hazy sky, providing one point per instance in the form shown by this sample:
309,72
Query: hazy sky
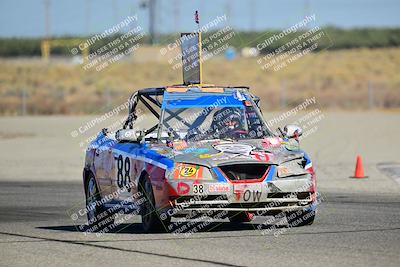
26,18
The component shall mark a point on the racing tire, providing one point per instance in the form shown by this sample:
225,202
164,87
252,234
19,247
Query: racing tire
99,218
151,221
240,217
300,218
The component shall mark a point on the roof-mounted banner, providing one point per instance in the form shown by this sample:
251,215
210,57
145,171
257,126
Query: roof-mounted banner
191,57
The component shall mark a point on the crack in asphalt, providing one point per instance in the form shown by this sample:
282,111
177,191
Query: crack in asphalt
44,239
121,249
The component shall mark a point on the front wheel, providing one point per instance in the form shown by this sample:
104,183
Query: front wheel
98,217
151,220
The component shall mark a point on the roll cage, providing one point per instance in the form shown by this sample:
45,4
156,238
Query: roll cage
154,96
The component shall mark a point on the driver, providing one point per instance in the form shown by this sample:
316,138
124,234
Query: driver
228,121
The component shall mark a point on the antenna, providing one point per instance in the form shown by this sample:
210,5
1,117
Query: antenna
197,20
191,55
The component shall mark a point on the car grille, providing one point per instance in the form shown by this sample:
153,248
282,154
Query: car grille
274,200
188,199
244,172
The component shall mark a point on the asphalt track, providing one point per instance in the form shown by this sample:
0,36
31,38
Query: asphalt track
350,229
358,223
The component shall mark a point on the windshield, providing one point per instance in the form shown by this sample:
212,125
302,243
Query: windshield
210,122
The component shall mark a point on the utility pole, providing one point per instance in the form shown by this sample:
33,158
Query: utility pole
47,4
307,11
152,16
176,15
252,16
87,17
115,11
228,10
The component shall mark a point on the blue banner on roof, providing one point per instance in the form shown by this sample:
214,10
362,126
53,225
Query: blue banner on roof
193,100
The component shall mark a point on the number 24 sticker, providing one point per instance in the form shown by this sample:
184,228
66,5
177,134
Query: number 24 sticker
188,171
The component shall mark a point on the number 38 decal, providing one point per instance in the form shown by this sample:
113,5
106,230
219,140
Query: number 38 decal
198,189
123,172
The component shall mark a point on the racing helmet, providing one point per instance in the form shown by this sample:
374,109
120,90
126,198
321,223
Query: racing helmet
229,117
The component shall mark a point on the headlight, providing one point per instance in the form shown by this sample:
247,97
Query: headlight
291,168
283,171
189,172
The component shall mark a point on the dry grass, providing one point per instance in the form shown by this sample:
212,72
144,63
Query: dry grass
338,79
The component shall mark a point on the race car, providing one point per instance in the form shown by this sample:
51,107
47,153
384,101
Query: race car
210,153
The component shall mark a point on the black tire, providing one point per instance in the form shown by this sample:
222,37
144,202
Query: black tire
151,221
300,218
240,217
97,215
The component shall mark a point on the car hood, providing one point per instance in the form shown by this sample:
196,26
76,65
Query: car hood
272,150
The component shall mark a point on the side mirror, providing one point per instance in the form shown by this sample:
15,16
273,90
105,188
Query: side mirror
129,135
292,131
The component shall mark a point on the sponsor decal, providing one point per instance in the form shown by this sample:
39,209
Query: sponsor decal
188,171
226,156
234,148
183,188
163,151
198,189
251,195
247,103
180,145
123,170
239,96
272,142
238,190
219,188
208,156
195,150
260,156
248,193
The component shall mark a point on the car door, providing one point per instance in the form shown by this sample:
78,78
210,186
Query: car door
125,170
103,163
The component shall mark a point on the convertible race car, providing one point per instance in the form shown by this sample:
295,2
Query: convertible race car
210,153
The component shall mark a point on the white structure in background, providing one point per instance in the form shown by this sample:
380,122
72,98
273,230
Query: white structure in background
250,52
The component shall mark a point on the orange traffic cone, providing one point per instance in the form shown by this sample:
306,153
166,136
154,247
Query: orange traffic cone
359,173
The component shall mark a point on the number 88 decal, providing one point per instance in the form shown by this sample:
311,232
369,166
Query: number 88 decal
123,172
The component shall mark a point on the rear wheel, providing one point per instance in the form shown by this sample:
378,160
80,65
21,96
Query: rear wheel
151,220
240,217
300,218
98,217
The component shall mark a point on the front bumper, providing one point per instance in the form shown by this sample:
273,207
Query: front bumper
262,202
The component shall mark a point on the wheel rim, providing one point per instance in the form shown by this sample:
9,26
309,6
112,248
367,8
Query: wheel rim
91,198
